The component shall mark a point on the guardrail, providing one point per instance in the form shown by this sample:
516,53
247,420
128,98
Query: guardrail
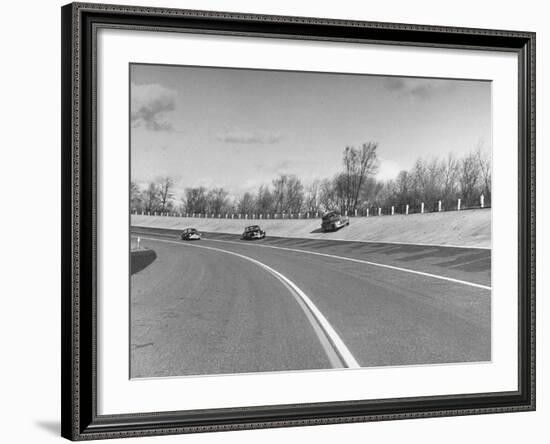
372,211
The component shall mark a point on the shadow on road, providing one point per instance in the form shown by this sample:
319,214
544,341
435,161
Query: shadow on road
139,259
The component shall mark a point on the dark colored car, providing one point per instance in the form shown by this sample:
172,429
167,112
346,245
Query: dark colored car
333,221
190,234
253,232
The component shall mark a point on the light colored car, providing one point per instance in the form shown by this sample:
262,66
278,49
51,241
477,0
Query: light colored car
190,234
333,221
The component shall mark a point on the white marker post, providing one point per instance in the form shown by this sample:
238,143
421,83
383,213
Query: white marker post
367,212
439,206
482,201
392,210
422,208
458,204
407,209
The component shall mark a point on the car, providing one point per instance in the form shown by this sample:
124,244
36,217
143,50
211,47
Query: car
253,232
190,234
333,220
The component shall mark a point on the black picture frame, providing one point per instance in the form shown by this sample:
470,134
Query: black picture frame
80,420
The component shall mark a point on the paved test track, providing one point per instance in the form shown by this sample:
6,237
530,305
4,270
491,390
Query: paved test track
222,305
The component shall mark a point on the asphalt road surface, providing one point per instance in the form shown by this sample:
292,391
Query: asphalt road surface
223,305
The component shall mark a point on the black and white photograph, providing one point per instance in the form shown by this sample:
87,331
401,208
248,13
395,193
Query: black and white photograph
300,221
277,221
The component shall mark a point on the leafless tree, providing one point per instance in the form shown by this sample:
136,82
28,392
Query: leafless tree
402,188
359,164
165,193
426,181
295,194
196,200
217,201
288,194
312,197
151,198
136,202
246,204
264,200
354,187
450,171
327,195
485,169
370,193
385,195
469,178
279,185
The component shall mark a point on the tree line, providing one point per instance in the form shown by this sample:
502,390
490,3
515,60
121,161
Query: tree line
354,188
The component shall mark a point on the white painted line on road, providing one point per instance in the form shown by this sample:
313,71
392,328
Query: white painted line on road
316,318
361,261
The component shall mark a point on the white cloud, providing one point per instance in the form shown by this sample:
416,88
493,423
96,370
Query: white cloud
149,105
237,135
417,88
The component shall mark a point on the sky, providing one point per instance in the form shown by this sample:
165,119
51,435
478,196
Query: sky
240,128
